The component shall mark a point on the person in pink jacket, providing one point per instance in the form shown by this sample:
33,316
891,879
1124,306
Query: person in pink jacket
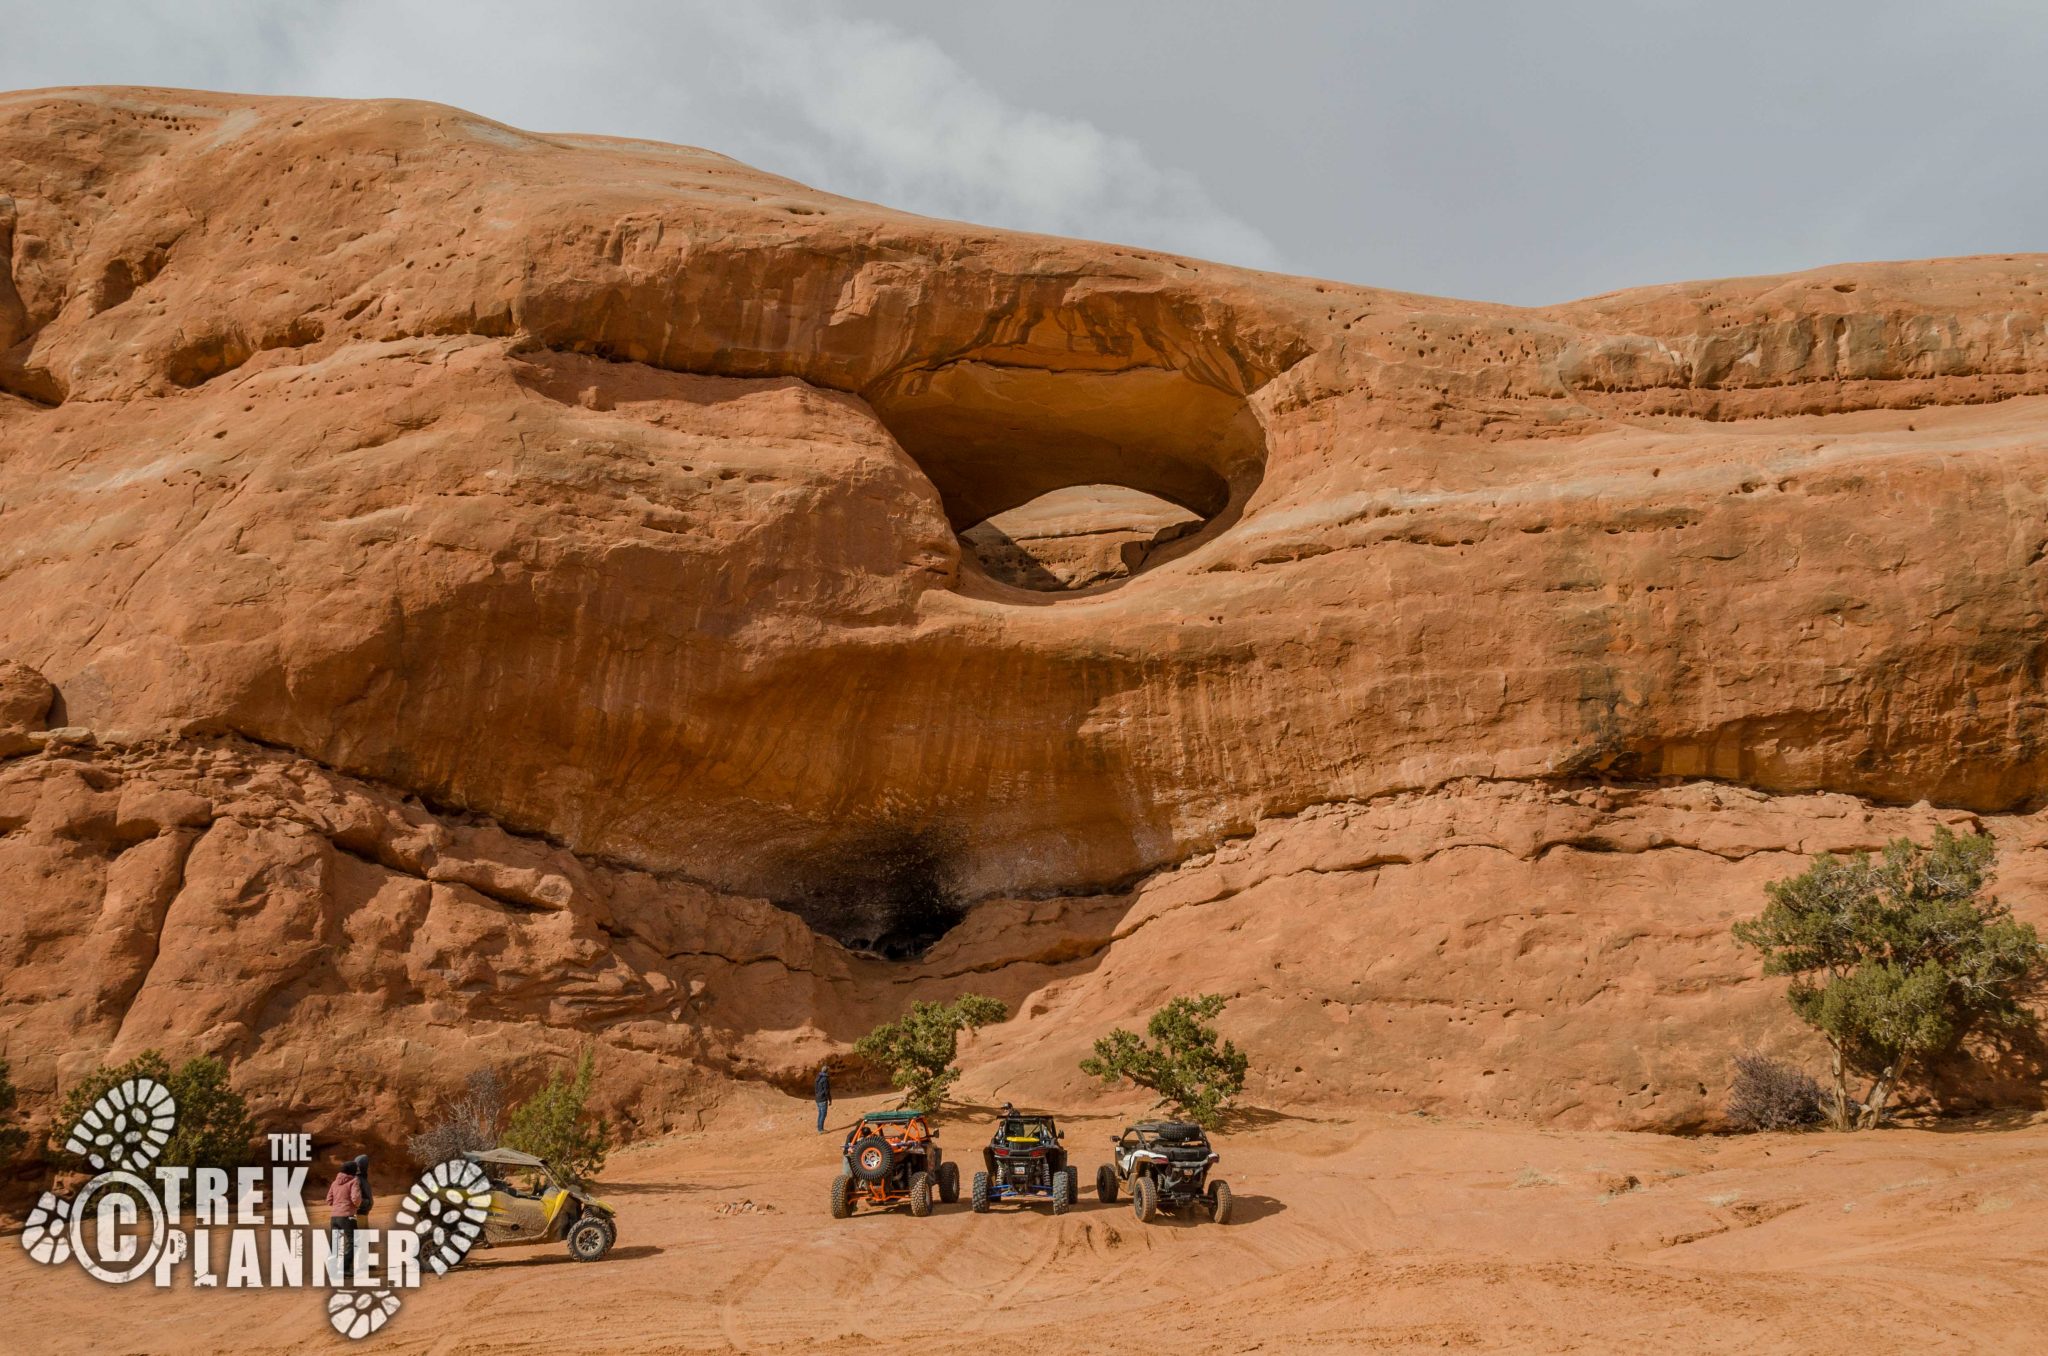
344,1204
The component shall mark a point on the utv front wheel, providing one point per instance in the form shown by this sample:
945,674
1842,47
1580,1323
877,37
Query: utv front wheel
1219,1202
1144,1199
949,1182
1105,1184
842,1196
977,1199
590,1238
920,1194
1062,1192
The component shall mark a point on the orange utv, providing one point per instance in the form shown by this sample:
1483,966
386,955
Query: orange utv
893,1156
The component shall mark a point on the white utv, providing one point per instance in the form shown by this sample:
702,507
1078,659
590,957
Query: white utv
1165,1165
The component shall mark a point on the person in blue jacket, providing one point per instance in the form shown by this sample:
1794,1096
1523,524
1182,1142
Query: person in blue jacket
823,1090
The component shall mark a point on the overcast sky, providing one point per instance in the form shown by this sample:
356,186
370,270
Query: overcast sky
1515,150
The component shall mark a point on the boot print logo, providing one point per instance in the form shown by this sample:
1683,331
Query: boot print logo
135,1217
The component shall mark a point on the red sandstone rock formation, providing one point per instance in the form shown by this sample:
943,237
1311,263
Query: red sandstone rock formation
485,574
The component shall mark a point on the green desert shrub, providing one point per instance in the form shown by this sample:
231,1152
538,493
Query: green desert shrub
918,1048
1896,960
213,1129
1181,1058
555,1124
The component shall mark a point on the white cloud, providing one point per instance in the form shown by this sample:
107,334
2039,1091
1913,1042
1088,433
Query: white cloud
848,105
916,130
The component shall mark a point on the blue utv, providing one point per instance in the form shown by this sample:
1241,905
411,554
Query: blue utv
1025,1160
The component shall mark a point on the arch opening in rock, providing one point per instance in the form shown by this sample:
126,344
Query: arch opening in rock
1077,537
1168,459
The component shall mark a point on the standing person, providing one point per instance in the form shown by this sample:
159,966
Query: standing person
823,1090
361,1164
344,1204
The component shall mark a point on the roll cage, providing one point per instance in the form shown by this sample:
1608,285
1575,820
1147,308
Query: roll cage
1026,1132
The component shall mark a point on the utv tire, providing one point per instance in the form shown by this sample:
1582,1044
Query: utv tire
842,1196
590,1238
920,1194
977,1199
1074,1186
1144,1199
1219,1202
949,1182
1105,1184
1062,1192
872,1158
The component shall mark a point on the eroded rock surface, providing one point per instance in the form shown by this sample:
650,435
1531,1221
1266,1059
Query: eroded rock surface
25,700
399,493
1077,538
1514,949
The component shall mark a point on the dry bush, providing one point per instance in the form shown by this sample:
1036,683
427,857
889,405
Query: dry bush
1772,1095
469,1121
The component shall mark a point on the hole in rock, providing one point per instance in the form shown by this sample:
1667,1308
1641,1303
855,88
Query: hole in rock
887,895
1078,536
1029,460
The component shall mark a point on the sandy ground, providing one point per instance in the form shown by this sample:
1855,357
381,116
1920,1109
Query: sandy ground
1391,1234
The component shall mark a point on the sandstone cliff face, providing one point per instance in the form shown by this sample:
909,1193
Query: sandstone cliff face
591,511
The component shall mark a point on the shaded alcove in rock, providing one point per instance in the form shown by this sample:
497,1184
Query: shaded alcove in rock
995,438
1077,537
883,894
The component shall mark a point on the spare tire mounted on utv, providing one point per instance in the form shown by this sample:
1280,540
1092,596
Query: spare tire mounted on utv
1166,1166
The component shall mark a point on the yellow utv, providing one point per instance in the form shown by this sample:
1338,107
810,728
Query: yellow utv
530,1204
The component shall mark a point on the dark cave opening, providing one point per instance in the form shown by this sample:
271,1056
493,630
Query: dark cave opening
886,895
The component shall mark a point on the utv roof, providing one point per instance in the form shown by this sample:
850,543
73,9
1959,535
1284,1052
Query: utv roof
893,1117
1170,1129
510,1158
